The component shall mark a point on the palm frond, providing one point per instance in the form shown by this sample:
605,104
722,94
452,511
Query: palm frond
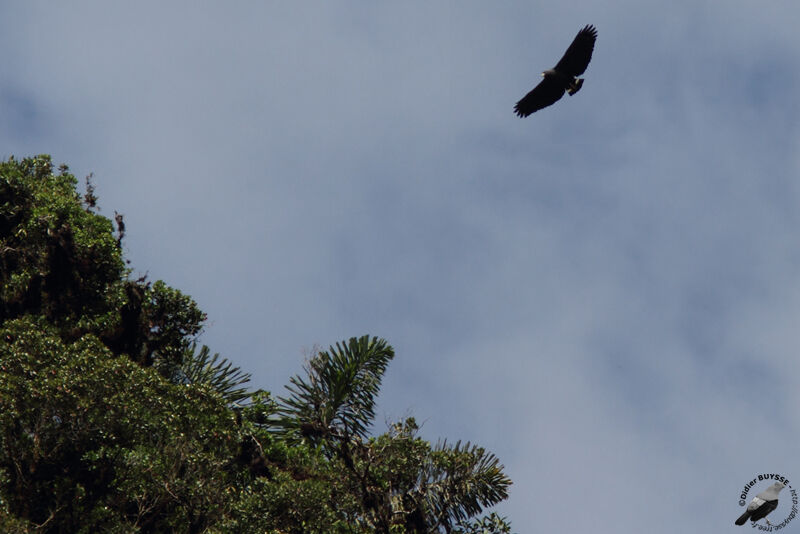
337,395
219,374
459,481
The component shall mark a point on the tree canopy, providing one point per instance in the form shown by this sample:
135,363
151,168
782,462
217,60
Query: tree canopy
112,419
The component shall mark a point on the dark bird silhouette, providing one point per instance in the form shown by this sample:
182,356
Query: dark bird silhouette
762,504
563,77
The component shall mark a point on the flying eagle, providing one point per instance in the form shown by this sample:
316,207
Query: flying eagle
762,504
563,77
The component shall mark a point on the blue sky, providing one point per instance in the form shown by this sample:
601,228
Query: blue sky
605,294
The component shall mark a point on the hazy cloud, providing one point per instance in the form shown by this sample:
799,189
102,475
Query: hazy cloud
604,294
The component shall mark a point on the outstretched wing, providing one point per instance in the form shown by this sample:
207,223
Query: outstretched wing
579,53
546,93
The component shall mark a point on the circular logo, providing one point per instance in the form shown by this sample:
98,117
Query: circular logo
769,487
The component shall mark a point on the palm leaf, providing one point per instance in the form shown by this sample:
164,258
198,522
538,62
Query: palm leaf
337,396
220,375
458,482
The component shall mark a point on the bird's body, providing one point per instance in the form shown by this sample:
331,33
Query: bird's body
563,78
762,504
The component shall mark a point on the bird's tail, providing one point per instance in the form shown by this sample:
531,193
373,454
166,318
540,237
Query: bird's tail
743,518
575,86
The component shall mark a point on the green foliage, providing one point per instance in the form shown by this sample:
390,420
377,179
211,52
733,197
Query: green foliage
56,259
457,482
92,441
338,394
402,483
170,320
491,524
112,420
220,375
60,260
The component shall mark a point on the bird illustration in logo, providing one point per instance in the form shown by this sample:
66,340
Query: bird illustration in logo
762,504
